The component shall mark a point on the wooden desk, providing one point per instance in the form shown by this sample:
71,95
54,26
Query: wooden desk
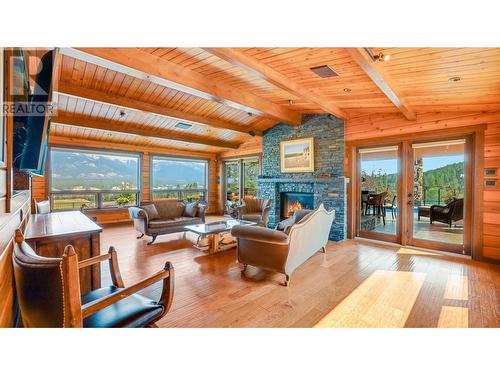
48,235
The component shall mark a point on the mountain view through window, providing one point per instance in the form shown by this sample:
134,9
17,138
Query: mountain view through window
179,178
93,179
75,170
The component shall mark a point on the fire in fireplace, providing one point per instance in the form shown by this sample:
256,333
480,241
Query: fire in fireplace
291,202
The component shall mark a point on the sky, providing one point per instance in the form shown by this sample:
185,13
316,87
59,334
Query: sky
391,166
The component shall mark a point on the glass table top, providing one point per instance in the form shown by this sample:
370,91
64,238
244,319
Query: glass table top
217,226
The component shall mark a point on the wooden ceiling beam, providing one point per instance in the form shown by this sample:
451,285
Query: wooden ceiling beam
261,70
139,105
383,81
146,66
138,129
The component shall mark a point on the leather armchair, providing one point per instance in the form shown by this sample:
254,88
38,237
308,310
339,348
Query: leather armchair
453,211
48,292
255,209
281,252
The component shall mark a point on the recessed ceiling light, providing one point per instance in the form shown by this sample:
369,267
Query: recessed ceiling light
455,79
347,89
183,125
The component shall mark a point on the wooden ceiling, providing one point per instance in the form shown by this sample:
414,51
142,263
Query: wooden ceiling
138,95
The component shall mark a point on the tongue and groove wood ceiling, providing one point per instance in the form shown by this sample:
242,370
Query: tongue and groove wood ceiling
138,95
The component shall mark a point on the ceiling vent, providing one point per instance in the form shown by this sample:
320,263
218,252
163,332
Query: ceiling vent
324,71
183,125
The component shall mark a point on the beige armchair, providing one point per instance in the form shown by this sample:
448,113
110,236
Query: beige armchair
281,252
255,209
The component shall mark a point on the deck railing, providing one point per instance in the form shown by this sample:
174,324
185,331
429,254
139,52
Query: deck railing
187,195
67,200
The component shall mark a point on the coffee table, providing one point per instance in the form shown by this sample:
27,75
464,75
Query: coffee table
214,232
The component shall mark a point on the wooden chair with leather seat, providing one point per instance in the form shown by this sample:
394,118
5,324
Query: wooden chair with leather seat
376,201
48,292
390,206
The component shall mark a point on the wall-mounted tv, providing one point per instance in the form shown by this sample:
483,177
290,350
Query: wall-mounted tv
32,118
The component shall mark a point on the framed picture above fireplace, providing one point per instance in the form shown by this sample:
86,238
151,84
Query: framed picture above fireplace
297,155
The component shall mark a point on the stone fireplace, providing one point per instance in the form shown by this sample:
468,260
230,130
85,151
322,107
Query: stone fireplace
291,202
325,185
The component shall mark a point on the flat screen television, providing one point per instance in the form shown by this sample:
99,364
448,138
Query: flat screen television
32,117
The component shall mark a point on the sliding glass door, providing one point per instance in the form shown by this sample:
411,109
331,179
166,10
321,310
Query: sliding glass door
240,178
416,193
232,183
251,170
379,171
439,193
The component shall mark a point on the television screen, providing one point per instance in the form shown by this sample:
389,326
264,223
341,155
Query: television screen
31,126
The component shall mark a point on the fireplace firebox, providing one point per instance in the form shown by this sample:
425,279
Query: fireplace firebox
290,202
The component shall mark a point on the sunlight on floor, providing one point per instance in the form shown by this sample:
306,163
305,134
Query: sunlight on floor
404,250
457,287
384,299
453,317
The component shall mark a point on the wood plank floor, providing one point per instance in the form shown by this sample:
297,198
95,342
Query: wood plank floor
356,284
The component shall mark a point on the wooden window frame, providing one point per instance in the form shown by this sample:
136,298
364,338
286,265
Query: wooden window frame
476,134
69,148
179,158
240,160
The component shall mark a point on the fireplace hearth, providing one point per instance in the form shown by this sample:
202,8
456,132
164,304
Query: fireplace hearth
291,201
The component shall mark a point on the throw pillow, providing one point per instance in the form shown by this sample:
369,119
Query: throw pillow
306,217
191,209
43,207
151,211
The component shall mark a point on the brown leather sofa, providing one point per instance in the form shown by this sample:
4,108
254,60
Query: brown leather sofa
164,216
255,209
280,251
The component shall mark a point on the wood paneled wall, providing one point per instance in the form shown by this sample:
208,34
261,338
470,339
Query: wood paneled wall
491,228
39,184
378,126
251,147
14,211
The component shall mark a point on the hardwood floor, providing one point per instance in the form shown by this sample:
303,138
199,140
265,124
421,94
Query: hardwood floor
355,284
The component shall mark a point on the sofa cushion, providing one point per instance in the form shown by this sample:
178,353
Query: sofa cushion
169,209
162,223
177,222
185,220
151,211
191,209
